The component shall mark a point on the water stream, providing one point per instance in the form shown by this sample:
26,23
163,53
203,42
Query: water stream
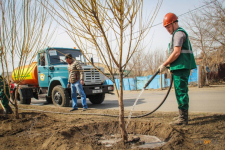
128,121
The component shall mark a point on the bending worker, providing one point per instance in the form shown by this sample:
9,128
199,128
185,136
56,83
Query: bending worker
76,81
181,61
4,90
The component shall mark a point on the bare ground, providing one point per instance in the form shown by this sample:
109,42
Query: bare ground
44,130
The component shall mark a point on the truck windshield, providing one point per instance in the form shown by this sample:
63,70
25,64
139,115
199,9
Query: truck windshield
57,56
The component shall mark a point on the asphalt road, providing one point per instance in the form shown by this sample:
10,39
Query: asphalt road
209,99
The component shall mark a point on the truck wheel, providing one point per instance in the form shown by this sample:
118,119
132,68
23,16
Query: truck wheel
97,99
28,100
60,96
22,100
48,99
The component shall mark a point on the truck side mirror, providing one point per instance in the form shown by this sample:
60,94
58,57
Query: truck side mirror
42,61
92,61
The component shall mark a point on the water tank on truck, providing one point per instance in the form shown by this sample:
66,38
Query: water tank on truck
26,75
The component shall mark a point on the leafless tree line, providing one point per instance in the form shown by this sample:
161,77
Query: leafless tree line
146,63
25,30
207,33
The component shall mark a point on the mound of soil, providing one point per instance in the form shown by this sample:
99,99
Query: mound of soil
42,131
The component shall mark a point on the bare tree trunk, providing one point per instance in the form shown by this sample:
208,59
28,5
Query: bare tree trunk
121,109
200,76
16,105
203,75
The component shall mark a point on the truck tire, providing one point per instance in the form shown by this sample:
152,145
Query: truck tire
28,101
48,99
22,100
60,96
97,99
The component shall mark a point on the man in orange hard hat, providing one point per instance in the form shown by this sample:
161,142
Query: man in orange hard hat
181,61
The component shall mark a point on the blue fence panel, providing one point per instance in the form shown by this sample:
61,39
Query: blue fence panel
167,84
126,84
132,83
193,76
117,83
155,84
108,82
141,81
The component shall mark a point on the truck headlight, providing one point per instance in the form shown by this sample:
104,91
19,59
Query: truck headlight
110,88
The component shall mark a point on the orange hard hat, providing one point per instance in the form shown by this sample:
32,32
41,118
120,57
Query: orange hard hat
169,18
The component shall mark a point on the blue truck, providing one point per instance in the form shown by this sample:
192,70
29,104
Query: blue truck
49,77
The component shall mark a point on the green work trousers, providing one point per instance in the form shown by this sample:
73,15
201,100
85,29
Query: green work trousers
5,101
181,87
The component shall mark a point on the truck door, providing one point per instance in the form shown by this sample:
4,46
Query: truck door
57,65
43,70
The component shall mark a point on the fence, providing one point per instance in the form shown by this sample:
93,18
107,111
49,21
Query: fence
139,82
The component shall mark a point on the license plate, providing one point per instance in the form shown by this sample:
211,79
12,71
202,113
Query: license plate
96,91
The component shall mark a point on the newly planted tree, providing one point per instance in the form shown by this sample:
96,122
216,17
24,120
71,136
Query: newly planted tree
100,27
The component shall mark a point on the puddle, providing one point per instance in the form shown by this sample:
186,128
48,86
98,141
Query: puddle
149,141
109,143
109,140
138,141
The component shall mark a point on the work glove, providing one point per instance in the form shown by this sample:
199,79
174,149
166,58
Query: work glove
68,85
161,68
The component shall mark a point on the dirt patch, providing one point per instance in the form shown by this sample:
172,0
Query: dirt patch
38,130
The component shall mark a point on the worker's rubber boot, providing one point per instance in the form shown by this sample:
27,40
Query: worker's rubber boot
178,117
182,119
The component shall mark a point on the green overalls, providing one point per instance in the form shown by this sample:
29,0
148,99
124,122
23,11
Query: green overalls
181,68
5,101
